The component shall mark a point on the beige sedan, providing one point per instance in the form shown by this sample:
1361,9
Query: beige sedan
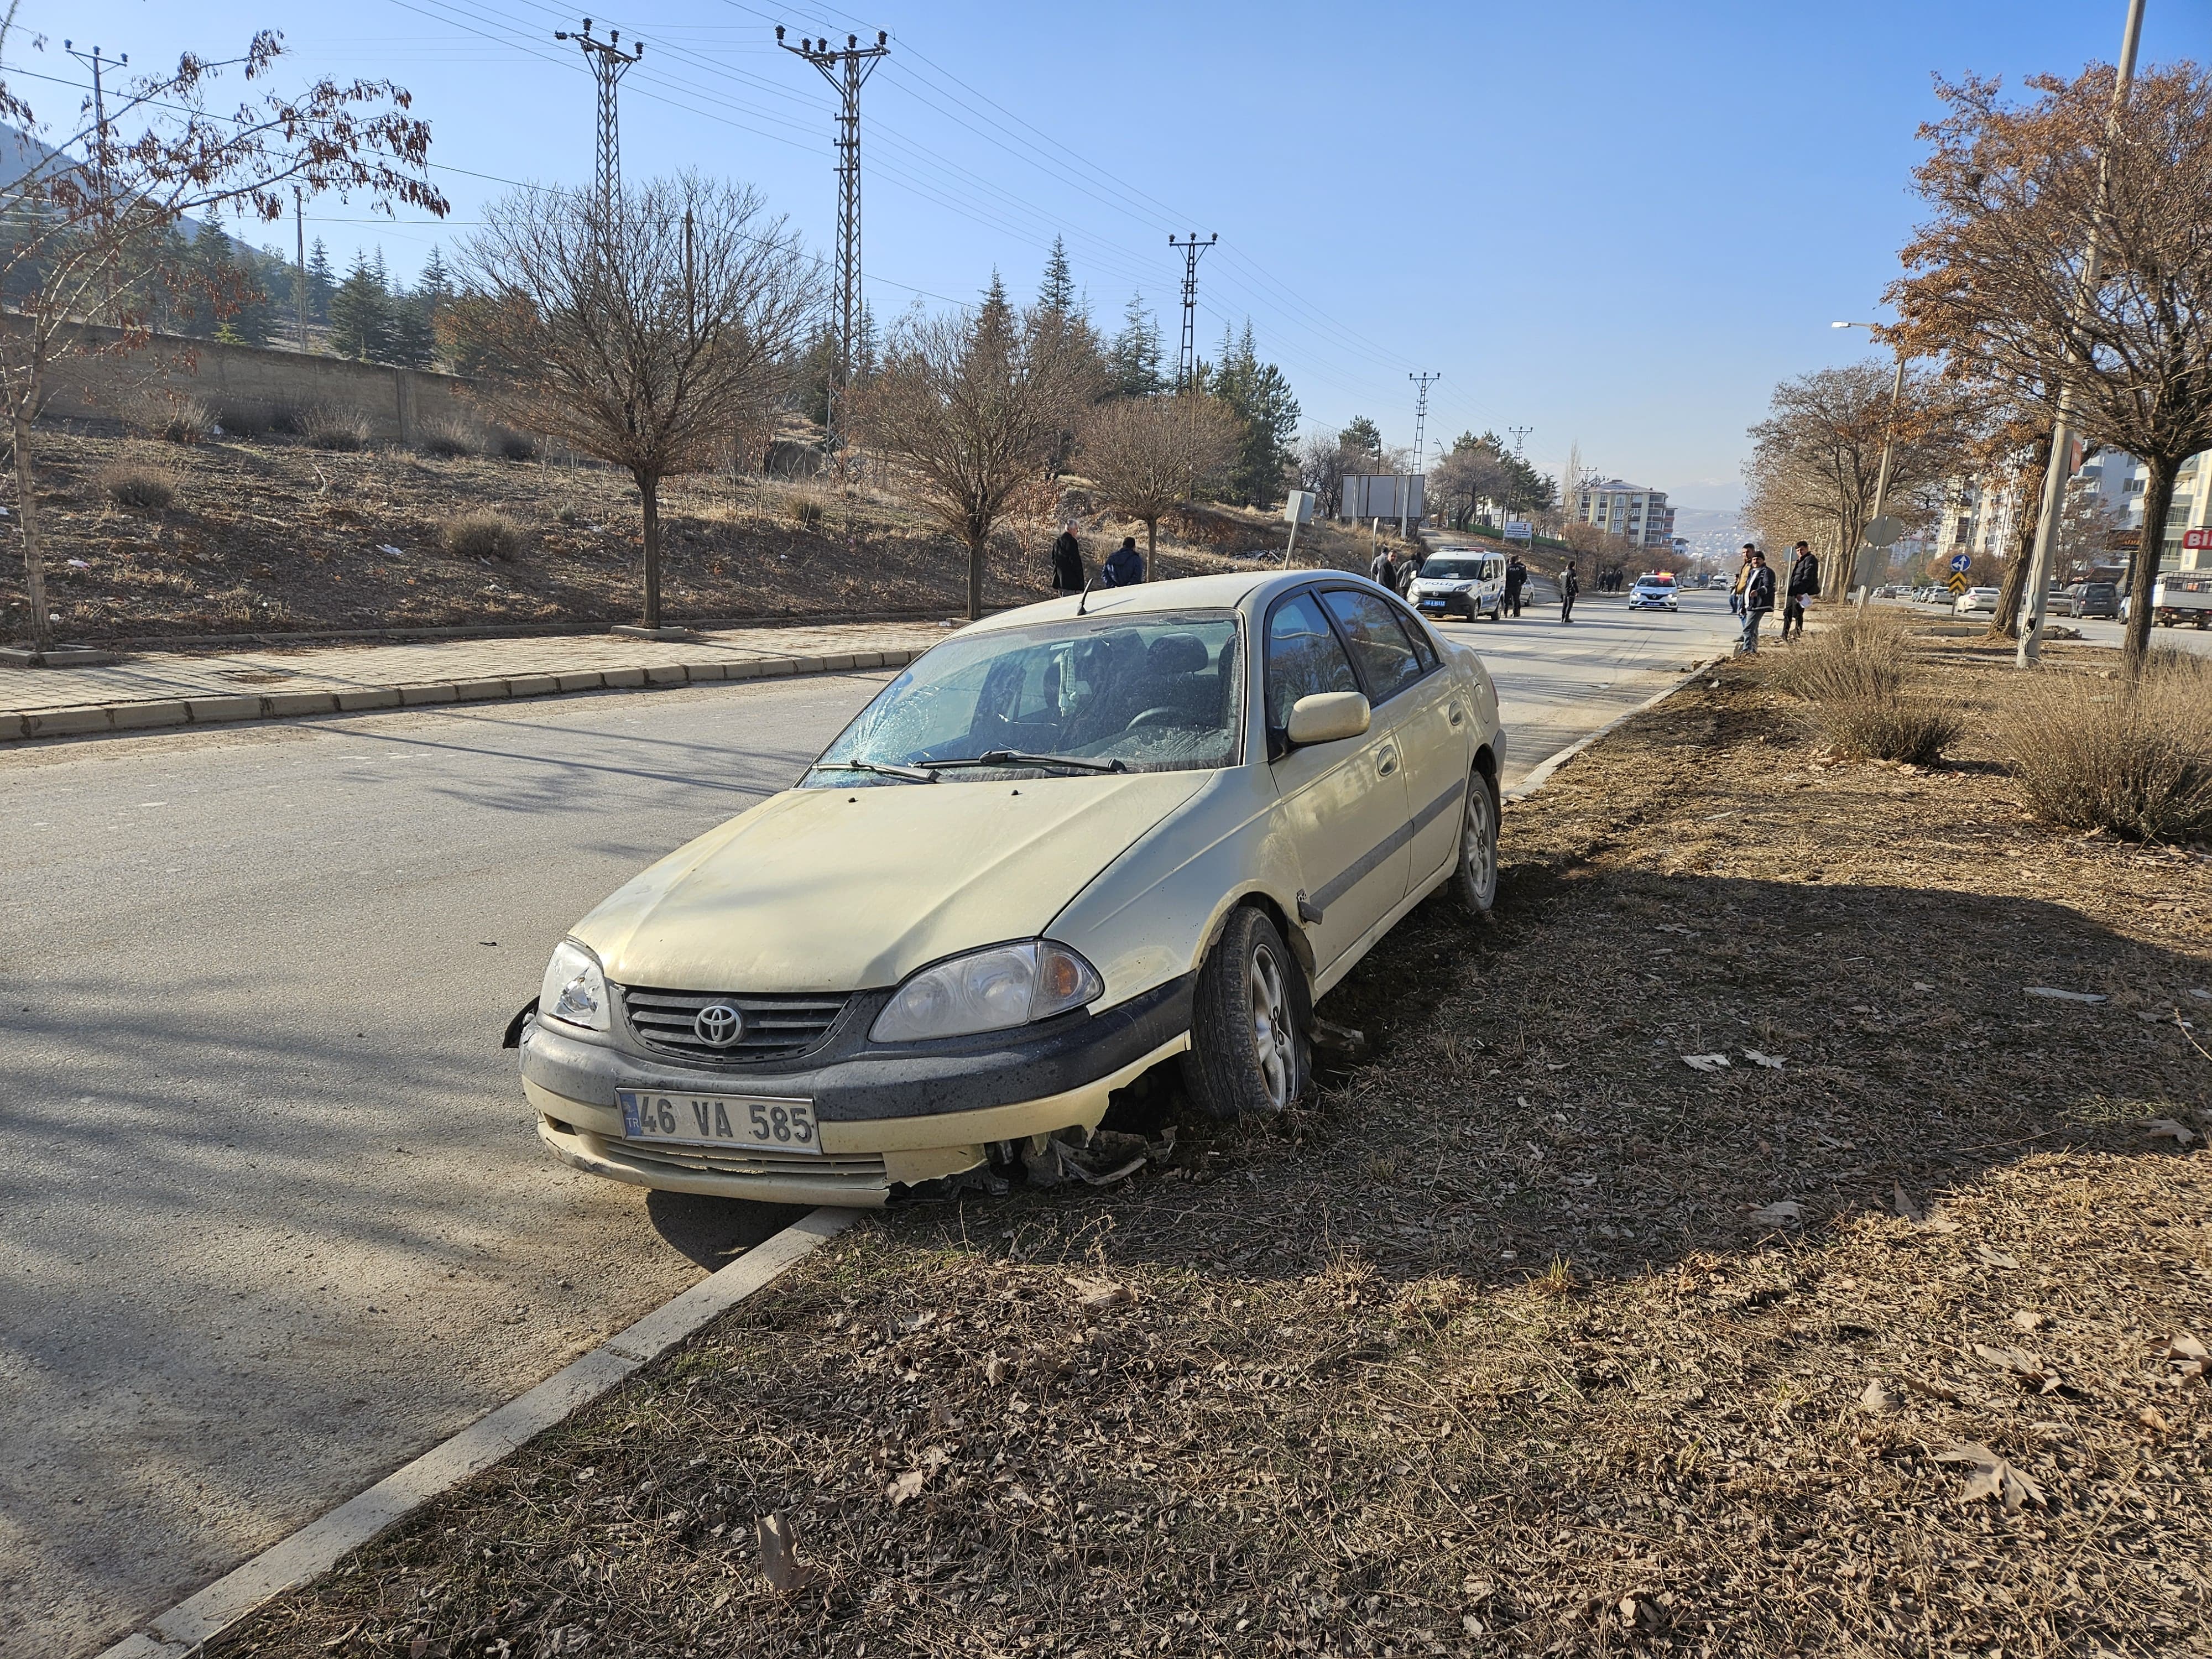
1146,827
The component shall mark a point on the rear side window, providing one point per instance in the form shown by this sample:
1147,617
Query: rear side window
1383,649
1302,658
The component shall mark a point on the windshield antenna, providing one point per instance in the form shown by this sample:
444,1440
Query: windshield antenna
1086,599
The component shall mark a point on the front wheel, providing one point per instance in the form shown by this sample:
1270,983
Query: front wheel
1477,875
1247,1042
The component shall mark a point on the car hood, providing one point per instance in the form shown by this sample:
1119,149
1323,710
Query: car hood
851,889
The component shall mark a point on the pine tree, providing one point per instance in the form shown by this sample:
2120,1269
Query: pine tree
322,282
435,285
1260,397
1362,436
1057,291
1133,363
360,322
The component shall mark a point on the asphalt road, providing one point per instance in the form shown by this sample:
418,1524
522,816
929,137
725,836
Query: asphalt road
273,1219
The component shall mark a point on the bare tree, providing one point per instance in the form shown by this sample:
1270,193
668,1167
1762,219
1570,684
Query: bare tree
1471,474
1994,276
79,237
973,405
644,332
1816,458
1146,454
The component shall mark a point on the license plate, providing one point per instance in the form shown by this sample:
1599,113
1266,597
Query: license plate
771,1123
1433,604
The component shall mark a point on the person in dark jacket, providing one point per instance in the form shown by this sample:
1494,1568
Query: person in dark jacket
1569,586
1804,584
1757,604
1517,578
1383,569
1124,566
1409,567
1067,562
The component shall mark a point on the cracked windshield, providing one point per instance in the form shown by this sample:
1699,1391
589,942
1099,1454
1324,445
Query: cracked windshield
1098,695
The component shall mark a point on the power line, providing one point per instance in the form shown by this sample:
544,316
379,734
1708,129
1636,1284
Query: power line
610,63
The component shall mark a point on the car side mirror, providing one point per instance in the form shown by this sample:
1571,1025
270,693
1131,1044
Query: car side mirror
1328,717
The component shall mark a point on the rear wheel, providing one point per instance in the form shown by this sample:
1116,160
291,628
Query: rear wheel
1477,876
1248,1039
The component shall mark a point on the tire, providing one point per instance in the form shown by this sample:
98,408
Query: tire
1476,877
1248,1038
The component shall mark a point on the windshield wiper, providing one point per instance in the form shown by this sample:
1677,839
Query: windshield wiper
1015,757
881,768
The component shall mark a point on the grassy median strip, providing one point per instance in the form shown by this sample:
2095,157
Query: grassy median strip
1736,1247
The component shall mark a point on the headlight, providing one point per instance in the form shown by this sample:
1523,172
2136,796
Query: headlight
575,991
988,991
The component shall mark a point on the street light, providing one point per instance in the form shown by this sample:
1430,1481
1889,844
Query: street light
1888,433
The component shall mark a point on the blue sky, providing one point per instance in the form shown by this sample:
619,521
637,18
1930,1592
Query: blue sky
1614,223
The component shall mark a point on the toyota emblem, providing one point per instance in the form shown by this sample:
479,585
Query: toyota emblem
718,1024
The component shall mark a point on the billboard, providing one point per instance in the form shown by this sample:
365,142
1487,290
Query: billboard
1382,495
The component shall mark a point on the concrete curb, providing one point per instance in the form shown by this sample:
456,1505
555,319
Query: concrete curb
150,714
1540,773
187,1627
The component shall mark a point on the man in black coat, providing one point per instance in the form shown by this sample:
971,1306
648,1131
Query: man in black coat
1124,566
1570,586
1758,605
1067,562
1517,578
1804,584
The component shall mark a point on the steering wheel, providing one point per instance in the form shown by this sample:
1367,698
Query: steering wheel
1161,716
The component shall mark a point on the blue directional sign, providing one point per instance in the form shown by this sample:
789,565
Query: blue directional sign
1959,561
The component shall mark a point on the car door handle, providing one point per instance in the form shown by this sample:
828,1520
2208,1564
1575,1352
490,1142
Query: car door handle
1386,761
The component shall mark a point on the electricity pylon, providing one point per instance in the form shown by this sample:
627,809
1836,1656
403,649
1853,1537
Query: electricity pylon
1187,358
610,63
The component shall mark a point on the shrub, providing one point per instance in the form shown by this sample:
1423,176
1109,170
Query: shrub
569,515
446,438
481,535
807,512
1854,672
1893,728
176,420
139,488
244,421
510,446
325,428
2134,757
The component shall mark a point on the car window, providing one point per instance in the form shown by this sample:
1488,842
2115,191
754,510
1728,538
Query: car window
1456,570
1155,693
1385,654
1303,658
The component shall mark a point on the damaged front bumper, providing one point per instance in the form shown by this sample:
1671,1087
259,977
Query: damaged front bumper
889,1116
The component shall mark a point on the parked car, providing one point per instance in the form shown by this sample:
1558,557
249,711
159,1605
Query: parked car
1465,582
2061,602
1974,599
2177,596
1653,592
2095,599
1071,843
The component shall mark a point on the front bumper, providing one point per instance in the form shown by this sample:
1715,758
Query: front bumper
889,1114
1445,605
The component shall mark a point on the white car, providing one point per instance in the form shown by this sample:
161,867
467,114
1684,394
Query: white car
1461,582
1654,592
1974,599
1071,843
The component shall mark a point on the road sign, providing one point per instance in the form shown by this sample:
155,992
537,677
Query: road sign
1885,531
1297,507
1520,529
1959,561
1958,583
2196,538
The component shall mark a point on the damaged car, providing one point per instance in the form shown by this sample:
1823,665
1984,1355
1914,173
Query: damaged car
1140,827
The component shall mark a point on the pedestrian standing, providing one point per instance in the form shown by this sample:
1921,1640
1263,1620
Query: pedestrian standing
1124,566
1409,567
1742,575
1517,578
1569,586
1804,584
1383,569
1758,603
1067,562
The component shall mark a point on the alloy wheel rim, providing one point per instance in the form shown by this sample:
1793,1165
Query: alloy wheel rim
1479,851
1271,1027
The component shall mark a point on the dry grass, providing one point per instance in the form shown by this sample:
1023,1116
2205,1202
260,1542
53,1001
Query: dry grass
326,428
185,421
2134,757
510,446
1524,1337
481,535
140,489
1856,673
448,439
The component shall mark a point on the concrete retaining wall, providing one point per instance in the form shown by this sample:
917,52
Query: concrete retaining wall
251,387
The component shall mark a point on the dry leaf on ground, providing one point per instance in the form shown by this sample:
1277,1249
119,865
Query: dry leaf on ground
1705,1062
1992,1476
1772,1062
1783,1212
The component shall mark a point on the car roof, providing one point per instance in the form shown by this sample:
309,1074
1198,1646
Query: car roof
1223,592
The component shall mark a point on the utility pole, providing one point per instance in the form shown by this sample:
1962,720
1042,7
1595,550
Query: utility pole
103,157
847,69
1187,359
1519,433
1424,381
300,265
2062,431
610,63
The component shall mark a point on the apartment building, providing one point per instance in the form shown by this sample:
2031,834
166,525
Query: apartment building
1630,511
1982,515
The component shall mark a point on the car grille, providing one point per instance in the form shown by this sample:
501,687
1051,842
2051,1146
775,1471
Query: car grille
777,1026
853,1169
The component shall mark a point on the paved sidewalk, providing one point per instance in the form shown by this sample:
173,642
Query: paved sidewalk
161,689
